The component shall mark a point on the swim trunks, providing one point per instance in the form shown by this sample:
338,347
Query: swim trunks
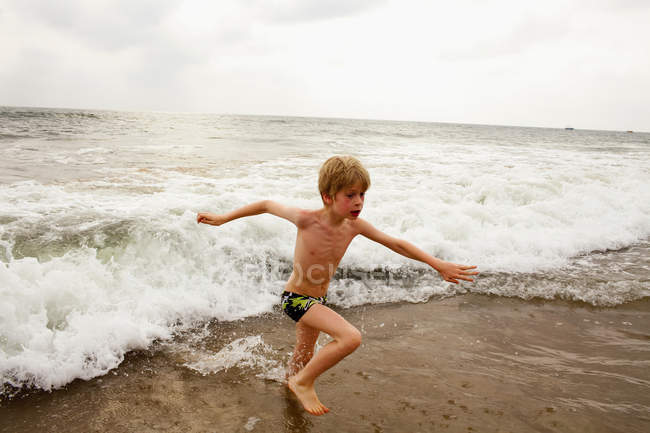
296,305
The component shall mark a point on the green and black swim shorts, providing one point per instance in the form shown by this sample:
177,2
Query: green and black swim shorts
296,305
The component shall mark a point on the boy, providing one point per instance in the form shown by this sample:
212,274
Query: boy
323,236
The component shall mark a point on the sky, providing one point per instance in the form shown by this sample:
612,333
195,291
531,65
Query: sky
584,64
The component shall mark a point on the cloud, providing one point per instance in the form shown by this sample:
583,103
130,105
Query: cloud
521,36
107,25
291,11
502,61
94,53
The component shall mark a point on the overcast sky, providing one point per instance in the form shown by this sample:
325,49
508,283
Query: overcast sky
584,64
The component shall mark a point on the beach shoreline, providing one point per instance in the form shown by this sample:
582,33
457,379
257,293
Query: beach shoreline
461,364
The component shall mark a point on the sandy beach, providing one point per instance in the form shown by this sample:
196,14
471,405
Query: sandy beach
464,364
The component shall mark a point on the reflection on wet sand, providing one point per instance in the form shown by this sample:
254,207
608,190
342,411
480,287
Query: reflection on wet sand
295,420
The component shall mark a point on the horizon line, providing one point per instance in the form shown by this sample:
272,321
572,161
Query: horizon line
567,127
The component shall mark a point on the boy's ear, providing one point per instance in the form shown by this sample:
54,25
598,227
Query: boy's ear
327,199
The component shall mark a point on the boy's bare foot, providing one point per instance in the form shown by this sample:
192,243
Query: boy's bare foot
307,396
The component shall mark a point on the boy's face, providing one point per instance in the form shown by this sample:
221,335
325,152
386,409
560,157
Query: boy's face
348,202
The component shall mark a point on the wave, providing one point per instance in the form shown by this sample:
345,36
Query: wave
80,291
18,113
93,268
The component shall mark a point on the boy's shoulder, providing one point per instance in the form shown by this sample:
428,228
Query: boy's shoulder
361,225
306,217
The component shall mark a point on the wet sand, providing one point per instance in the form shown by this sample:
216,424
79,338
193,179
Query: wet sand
465,364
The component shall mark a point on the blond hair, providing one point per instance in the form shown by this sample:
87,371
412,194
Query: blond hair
339,172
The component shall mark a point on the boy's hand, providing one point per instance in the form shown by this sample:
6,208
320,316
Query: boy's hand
210,218
452,272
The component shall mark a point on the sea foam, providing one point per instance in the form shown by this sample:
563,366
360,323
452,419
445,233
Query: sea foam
112,260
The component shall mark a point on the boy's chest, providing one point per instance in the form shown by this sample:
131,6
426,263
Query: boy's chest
325,243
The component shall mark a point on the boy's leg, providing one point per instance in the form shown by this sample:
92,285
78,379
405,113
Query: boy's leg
346,338
306,338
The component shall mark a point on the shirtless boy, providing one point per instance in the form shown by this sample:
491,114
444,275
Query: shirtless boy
323,236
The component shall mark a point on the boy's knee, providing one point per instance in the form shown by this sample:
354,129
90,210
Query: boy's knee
352,339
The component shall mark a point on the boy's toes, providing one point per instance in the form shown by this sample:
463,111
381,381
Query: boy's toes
318,410
313,410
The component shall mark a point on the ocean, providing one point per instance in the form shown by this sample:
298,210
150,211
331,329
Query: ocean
101,254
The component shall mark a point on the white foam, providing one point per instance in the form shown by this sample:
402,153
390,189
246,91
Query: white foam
537,215
87,150
76,315
60,323
250,423
248,352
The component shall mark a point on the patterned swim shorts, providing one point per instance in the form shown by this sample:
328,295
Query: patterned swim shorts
296,305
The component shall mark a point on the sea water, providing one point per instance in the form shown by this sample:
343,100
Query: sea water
100,252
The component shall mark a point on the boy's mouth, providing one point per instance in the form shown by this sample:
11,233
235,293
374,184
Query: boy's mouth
355,212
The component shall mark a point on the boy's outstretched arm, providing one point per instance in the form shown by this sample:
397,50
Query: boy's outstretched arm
260,207
449,271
